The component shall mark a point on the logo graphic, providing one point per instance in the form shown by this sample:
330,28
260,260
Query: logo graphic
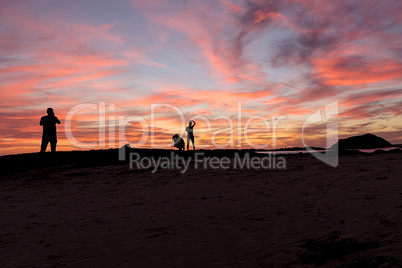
330,112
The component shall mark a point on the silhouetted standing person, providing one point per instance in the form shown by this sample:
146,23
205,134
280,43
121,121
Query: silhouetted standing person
49,122
190,133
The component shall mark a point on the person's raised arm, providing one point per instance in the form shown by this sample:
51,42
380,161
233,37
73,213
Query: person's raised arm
194,123
57,120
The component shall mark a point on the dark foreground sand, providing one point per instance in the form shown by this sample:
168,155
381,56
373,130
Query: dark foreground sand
105,216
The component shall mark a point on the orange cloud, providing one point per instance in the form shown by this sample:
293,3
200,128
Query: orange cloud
203,58
356,71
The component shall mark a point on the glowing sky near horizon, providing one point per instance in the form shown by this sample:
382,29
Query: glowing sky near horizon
278,58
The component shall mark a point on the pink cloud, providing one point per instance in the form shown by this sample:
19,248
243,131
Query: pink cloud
220,36
325,51
356,71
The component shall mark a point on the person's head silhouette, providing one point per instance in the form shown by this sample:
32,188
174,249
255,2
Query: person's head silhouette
49,111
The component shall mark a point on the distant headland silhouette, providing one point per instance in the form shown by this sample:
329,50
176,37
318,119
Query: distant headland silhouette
366,141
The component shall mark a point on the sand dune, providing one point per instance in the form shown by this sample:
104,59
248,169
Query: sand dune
109,215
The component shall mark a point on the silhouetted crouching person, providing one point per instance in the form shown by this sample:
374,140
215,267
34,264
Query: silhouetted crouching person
190,133
49,122
178,142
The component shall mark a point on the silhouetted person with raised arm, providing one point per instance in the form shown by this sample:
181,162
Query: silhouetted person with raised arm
49,122
190,133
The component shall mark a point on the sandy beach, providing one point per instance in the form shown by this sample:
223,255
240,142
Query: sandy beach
108,215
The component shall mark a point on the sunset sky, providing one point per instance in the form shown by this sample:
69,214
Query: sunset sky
278,58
